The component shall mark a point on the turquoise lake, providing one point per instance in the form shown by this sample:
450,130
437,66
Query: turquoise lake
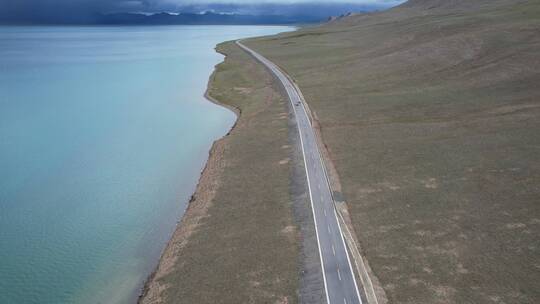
103,134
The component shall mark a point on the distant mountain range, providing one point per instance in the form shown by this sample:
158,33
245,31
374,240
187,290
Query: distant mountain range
199,19
73,12
207,18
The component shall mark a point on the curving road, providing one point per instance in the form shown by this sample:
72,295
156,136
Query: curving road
339,281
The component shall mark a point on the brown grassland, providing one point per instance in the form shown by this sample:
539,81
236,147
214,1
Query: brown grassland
238,242
431,115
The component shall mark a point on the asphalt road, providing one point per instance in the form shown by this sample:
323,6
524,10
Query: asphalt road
339,281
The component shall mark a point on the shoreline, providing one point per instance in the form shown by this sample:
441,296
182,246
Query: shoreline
197,205
211,256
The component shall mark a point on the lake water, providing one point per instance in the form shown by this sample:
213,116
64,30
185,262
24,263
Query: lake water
103,134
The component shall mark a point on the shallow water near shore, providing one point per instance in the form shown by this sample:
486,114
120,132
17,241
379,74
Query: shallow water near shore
103,134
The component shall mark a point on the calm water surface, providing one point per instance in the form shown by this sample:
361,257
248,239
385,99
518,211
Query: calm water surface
103,134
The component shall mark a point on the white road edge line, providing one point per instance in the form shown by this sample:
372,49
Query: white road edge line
294,88
307,176
347,254
335,213
362,262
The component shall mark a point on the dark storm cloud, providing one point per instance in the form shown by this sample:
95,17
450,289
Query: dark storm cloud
85,11
291,9
64,11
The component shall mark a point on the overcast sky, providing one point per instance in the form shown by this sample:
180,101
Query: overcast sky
36,9
163,4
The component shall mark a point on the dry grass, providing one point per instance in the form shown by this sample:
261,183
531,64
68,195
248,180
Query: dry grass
245,248
432,119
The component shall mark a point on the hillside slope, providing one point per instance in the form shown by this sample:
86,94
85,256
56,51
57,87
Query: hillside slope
431,114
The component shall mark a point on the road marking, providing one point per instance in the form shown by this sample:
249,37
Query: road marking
276,72
347,255
344,301
333,250
319,186
294,94
328,226
322,199
338,274
324,212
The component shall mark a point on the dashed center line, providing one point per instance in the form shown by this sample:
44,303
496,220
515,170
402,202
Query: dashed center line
313,164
